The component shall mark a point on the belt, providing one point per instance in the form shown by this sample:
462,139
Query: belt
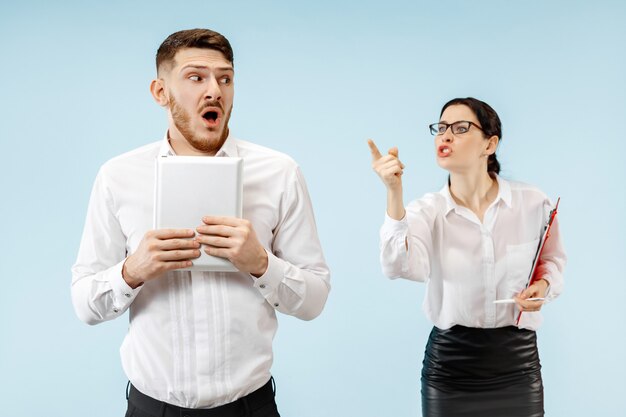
237,408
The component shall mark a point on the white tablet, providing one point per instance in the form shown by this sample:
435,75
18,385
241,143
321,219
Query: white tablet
188,188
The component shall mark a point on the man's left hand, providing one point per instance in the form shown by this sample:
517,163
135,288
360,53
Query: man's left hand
233,239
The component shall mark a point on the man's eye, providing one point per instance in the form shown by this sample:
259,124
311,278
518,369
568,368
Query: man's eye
195,78
225,80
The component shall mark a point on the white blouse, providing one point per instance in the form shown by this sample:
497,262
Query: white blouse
468,264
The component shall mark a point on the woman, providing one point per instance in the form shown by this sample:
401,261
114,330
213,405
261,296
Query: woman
473,242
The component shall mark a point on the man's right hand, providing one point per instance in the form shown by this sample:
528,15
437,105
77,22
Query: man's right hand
160,251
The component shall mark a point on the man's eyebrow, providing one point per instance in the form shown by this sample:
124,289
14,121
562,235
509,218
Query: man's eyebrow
205,67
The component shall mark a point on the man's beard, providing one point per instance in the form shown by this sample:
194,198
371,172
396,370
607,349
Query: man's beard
182,121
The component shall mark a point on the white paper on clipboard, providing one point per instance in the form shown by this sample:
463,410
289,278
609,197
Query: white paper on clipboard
542,242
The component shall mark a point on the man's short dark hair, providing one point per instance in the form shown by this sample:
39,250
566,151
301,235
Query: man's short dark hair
192,38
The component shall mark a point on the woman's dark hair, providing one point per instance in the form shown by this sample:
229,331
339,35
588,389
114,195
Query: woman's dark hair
488,119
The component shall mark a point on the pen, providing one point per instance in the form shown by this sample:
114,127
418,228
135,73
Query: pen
512,301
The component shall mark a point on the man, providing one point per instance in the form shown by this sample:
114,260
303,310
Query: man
199,340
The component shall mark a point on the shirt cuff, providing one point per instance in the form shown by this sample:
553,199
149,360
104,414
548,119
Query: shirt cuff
123,294
393,225
548,296
268,283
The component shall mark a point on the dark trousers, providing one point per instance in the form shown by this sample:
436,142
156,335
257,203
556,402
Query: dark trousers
259,403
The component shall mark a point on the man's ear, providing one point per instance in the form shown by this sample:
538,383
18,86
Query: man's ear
492,145
157,89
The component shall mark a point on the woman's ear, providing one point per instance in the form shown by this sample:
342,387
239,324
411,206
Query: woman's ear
492,145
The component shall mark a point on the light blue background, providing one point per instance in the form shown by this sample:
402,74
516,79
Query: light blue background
315,80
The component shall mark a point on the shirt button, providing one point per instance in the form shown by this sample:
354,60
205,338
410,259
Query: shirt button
275,304
127,295
115,310
262,285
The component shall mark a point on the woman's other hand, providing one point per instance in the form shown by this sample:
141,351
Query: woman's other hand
536,290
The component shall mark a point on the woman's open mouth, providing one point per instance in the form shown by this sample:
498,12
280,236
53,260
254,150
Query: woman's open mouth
444,151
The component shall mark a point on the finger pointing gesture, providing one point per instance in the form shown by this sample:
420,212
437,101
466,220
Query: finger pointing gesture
374,150
388,167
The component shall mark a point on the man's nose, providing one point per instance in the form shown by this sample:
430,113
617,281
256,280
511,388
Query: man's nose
213,91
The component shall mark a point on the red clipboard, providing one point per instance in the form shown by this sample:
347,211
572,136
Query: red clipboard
532,277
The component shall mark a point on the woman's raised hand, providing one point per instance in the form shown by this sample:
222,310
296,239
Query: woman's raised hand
388,167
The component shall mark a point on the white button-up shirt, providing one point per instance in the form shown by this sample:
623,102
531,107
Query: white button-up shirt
468,264
200,339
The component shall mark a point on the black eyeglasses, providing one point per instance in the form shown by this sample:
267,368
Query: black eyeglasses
458,128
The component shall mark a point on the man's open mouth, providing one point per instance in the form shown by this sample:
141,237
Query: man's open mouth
211,116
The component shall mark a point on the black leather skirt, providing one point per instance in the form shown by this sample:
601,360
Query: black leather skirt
482,372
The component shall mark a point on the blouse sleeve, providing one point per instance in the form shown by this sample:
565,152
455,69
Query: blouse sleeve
406,245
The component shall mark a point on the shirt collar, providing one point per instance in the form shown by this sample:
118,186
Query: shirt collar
229,148
504,191
504,194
